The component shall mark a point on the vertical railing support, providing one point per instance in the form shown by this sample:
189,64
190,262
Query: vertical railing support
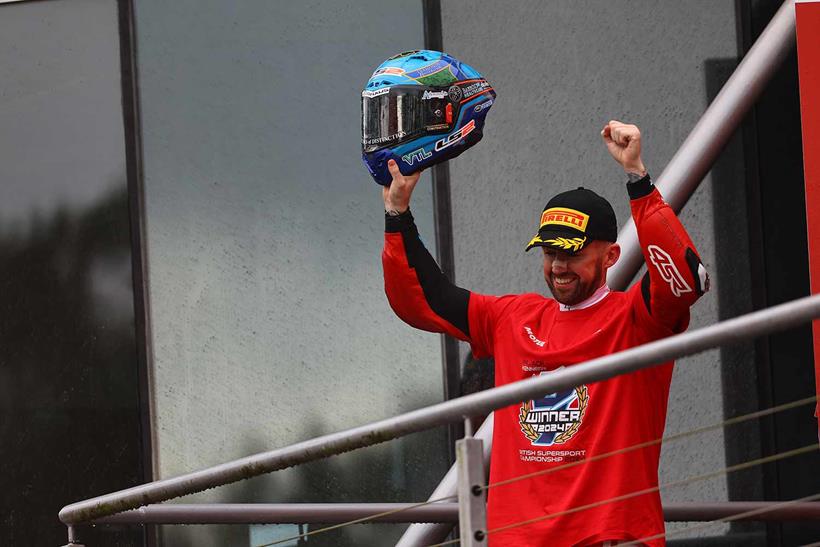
72,538
472,510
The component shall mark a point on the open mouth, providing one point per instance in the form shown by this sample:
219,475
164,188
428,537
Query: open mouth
563,281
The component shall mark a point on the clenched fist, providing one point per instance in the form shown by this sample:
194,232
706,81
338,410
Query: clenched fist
624,144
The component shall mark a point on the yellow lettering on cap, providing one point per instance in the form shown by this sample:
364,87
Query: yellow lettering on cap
564,217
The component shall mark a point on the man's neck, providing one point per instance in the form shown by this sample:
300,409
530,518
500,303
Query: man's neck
593,299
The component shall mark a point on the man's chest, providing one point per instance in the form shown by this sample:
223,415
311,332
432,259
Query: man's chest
532,344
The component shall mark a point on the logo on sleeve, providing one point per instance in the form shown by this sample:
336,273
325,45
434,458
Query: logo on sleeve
669,272
554,418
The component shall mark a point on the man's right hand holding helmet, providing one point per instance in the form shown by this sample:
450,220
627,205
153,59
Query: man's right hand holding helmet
397,195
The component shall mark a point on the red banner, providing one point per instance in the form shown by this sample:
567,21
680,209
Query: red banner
808,63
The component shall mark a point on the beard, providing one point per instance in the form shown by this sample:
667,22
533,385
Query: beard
579,289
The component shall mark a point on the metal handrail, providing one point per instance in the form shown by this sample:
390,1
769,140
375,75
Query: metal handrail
288,513
731,331
332,513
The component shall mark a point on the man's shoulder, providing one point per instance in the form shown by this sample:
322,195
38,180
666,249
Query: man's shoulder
622,300
524,301
620,296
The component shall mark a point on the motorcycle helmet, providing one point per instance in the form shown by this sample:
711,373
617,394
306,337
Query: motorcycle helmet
420,108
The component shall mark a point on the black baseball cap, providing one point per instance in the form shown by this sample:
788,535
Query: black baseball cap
572,219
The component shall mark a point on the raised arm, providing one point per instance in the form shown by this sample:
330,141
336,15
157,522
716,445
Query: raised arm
675,276
418,291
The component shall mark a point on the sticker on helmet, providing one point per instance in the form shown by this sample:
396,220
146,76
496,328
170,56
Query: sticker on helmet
455,93
394,70
476,89
416,155
433,94
371,94
482,106
455,137
434,74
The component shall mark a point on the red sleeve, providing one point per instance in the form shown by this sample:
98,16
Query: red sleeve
404,288
422,296
485,313
418,291
675,276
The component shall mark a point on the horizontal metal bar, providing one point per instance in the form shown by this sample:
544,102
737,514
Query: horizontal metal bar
331,513
293,513
704,143
734,330
696,512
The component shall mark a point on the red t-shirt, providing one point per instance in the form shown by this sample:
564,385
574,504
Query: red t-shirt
530,334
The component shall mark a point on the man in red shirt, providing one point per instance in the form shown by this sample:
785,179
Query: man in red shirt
529,334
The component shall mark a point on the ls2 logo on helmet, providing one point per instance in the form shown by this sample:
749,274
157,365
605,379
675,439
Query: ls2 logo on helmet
455,137
416,155
555,418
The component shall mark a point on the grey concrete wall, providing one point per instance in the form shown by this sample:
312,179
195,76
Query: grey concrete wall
269,320
562,70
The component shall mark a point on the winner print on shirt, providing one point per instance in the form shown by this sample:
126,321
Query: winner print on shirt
554,418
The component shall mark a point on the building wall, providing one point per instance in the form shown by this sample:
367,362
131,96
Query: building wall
561,71
69,398
264,234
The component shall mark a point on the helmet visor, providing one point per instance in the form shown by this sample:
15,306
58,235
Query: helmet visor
395,114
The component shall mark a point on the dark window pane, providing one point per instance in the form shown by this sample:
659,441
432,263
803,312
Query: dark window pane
69,419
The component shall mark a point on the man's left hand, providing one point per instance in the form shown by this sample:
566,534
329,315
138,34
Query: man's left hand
624,144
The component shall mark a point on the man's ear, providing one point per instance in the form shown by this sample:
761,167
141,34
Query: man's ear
613,253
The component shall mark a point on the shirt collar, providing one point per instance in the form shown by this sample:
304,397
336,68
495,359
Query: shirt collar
596,297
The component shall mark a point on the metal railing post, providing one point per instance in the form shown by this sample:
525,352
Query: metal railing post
472,510
72,538
418,534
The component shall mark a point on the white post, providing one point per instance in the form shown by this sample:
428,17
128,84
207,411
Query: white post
472,509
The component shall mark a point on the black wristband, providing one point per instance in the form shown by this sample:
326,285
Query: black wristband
640,187
398,223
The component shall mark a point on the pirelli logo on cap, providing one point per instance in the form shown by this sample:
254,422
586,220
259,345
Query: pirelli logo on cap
565,217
